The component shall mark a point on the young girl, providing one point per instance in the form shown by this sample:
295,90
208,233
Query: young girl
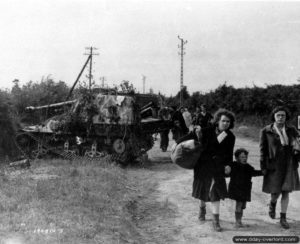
240,183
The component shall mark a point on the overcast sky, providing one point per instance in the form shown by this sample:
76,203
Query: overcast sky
243,43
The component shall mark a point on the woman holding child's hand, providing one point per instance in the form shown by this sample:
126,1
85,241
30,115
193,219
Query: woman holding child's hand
278,148
209,174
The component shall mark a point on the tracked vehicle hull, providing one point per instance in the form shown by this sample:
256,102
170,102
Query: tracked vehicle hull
94,126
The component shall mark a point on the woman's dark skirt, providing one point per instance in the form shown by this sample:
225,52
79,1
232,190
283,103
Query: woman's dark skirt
208,190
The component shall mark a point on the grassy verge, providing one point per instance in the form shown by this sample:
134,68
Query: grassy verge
70,202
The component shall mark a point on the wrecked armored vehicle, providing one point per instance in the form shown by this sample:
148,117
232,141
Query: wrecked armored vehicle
100,122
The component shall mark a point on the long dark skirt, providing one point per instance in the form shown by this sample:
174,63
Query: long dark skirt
209,190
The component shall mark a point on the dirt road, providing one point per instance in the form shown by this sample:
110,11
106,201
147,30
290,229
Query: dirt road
175,186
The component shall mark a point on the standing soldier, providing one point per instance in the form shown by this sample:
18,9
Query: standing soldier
164,114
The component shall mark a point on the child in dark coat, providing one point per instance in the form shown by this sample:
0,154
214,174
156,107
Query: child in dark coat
240,184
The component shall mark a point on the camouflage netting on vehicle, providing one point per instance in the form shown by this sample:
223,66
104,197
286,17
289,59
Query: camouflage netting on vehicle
99,109
97,123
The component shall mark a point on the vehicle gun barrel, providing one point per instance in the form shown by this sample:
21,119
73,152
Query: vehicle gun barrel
53,105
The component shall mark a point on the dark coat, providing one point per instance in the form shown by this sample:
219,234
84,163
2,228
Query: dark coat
240,184
279,161
202,120
215,155
179,126
211,164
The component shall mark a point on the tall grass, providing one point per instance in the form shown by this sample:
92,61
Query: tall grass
66,202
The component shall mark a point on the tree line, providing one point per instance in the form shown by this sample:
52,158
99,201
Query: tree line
255,103
13,103
248,102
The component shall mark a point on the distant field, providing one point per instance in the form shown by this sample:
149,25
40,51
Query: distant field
247,130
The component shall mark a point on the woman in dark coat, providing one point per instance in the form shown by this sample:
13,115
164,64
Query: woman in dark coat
240,184
209,174
278,158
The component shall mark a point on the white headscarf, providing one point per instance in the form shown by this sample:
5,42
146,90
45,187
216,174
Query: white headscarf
282,134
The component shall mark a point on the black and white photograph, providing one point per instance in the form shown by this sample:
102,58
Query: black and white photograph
149,122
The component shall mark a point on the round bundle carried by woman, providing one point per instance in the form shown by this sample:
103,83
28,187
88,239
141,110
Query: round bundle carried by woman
186,153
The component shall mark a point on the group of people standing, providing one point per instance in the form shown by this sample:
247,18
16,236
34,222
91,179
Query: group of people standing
279,156
183,122
201,117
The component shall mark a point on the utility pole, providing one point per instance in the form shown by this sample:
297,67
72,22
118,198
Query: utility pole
144,82
102,79
91,54
181,53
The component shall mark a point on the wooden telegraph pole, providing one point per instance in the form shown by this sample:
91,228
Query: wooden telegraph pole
181,53
91,54
89,59
103,79
144,83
